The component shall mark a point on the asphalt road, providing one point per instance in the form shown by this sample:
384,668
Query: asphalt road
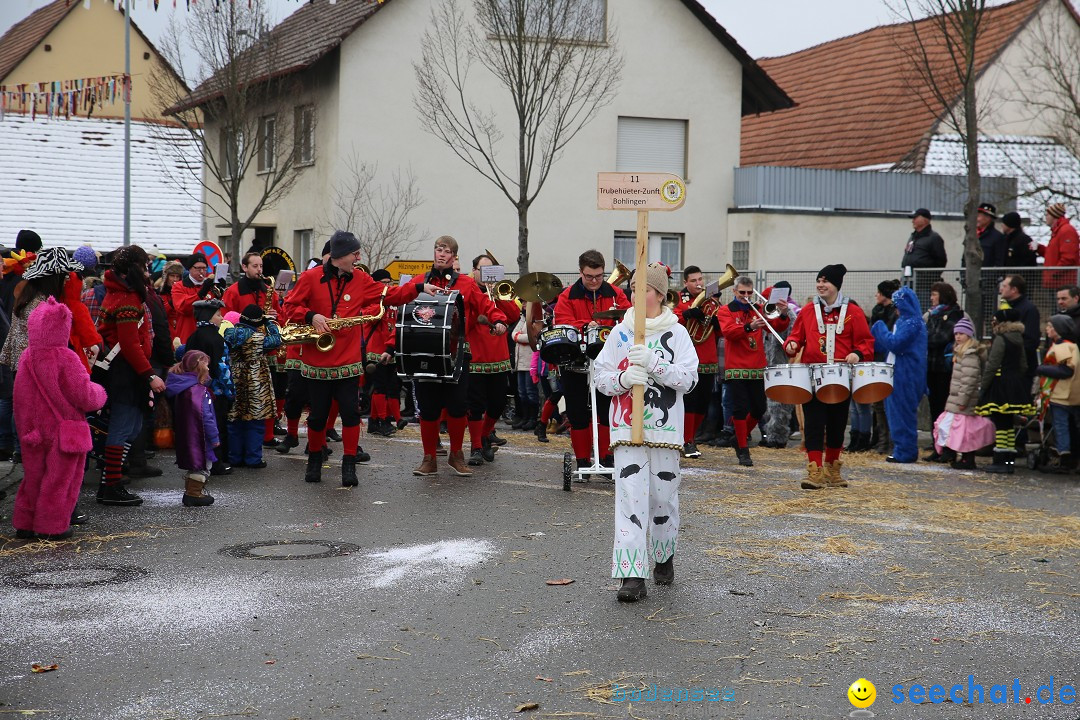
427,598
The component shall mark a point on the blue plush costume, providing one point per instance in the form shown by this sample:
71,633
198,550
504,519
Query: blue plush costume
907,341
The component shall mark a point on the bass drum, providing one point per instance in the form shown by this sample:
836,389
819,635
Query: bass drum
561,345
431,338
595,337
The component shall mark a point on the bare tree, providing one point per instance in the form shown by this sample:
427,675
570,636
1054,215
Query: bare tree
557,61
377,214
941,47
240,117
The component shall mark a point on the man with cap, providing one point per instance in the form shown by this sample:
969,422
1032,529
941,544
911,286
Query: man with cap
924,249
994,247
198,285
338,290
1063,250
827,330
743,329
1020,248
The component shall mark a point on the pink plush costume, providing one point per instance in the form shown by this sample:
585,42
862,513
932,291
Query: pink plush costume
53,393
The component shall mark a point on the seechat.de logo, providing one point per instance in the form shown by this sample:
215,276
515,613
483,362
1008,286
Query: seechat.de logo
862,695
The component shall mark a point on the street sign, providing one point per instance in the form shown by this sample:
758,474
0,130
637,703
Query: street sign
642,192
211,251
397,268
639,191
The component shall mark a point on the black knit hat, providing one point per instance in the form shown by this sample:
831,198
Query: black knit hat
1011,220
381,274
205,309
1007,315
195,257
252,315
28,240
834,274
343,243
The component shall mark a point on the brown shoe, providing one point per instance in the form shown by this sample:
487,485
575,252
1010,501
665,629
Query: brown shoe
456,461
815,477
427,467
831,475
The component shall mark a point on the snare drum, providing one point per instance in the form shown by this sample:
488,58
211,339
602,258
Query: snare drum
789,384
431,338
871,382
561,345
832,383
595,337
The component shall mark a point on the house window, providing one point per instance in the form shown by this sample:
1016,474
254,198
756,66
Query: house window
667,247
587,22
740,254
267,142
304,123
303,240
231,147
651,145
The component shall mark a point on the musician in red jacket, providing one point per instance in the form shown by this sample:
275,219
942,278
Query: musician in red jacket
380,346
744,360
433,395
489,373
830,315
576,306
198,285
333,290
696,402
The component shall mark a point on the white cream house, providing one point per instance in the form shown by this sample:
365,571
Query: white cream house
684,90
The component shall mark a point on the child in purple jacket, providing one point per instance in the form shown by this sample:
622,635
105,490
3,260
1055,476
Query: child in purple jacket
194,425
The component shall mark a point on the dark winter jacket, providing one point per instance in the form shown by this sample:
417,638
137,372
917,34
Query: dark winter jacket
925,249
994,246
939,337
1018,249
1029,316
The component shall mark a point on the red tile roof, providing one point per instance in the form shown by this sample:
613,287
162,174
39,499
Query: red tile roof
319,27
26,34
858,98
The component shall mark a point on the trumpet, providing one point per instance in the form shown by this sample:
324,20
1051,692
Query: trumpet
619,275
324,342
502,290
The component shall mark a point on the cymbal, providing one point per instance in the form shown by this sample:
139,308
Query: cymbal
538,287
616,314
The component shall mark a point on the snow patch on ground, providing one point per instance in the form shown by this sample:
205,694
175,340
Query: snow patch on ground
415,563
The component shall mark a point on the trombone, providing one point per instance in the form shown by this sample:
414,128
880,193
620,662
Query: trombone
502,290
772,312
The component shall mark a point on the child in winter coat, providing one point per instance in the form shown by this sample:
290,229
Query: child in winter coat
194,425
52,395
958,429
1004,390
647,476
1064,389
249,342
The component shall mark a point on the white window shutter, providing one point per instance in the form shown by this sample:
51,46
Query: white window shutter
651,145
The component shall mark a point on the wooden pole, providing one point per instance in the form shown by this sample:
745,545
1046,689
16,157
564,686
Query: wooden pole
641,284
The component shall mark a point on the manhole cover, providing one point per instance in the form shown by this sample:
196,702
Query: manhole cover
289,550
62,578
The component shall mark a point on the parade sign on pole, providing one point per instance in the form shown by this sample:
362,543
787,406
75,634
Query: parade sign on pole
642,192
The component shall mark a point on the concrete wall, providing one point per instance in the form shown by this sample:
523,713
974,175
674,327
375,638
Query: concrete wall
90,43
792,240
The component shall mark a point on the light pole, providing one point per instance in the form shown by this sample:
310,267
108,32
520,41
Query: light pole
127,123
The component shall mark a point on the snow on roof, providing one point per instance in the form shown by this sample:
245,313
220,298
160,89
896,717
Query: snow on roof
64,179
1034,162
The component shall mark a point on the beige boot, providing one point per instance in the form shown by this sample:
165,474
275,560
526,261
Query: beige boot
815,477
456,461
193,492
831,473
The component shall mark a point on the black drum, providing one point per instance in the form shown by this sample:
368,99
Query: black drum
595,337
561,345
431,338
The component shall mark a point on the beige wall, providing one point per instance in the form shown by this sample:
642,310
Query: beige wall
804,241
90,43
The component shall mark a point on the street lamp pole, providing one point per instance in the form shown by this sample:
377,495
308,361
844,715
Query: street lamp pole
127,123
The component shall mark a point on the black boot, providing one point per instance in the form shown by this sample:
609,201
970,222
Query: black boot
1003,463
664,573
487,449
965,462
476,457
541,432
632,590
287,444
313,474
744,457
853,442
947,455
116,494
348,471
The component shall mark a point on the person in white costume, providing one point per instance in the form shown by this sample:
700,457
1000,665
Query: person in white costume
647,477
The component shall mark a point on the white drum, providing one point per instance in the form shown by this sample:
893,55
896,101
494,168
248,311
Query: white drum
832,383
789,384
871,382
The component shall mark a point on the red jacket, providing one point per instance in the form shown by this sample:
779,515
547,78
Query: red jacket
121,313
1063,250
314,294
83,332
855,338
477,303
576,305
184,296
491,353
708,357
744,348
381,337
247,292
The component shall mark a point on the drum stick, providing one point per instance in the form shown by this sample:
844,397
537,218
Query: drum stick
641,284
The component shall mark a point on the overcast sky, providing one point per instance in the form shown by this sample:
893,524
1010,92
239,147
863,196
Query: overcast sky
764,27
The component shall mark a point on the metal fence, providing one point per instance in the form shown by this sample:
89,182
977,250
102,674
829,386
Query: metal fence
851,190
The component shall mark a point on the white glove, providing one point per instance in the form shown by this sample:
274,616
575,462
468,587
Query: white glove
634,375
640,355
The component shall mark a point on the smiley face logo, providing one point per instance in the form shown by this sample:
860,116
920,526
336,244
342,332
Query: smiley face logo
862,693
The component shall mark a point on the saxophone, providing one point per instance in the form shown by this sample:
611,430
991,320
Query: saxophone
324,342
